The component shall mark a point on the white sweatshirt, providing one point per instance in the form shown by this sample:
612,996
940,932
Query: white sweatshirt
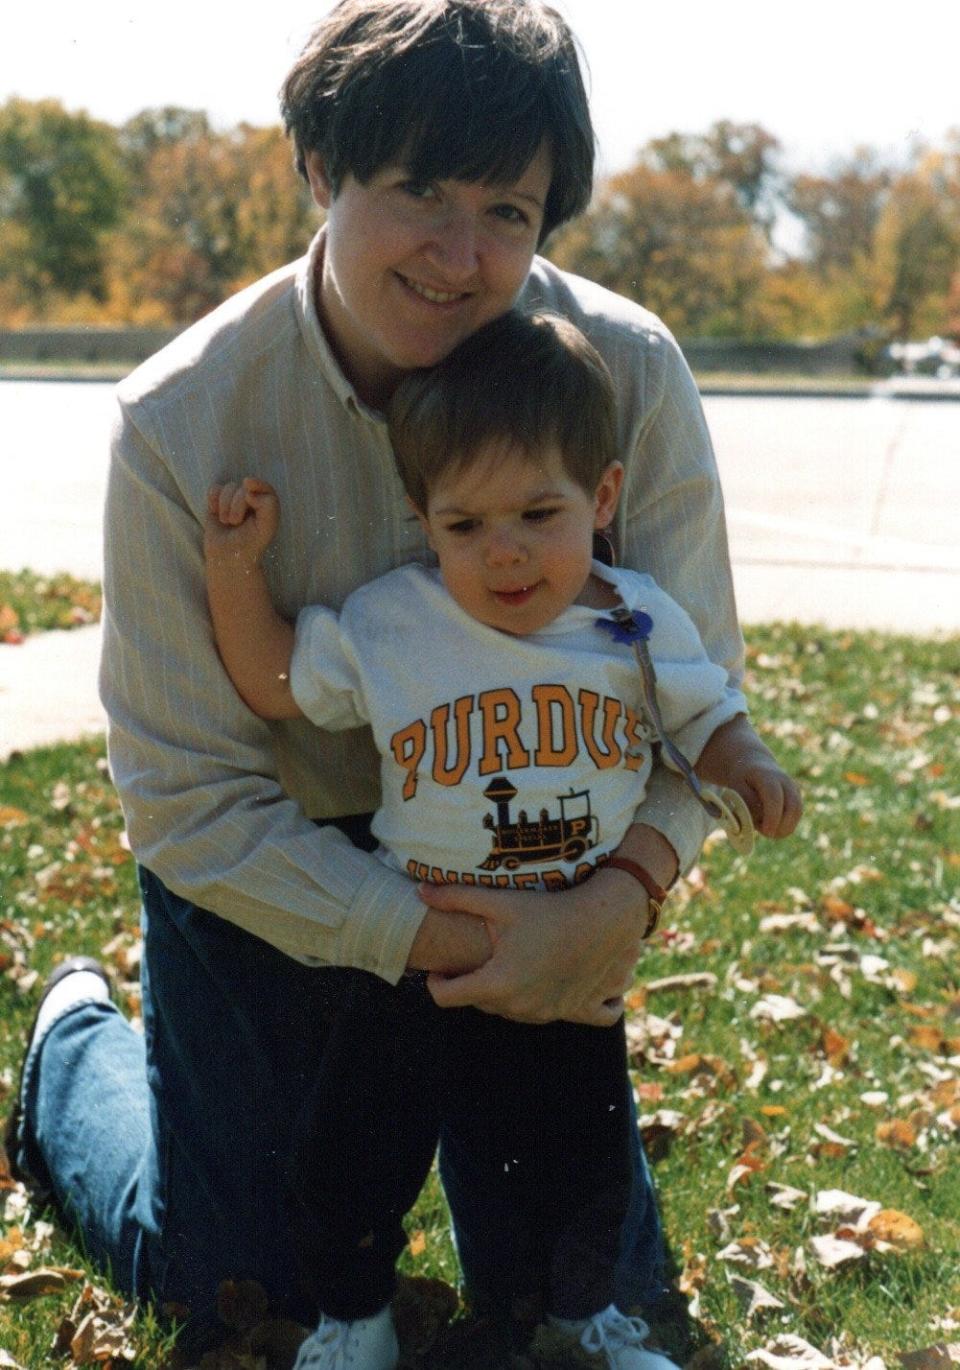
509,761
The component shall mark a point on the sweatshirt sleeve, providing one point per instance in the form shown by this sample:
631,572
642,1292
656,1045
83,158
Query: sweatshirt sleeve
195,769
324,677
693,692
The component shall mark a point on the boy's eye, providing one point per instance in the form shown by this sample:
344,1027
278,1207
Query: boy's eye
462,526
539,515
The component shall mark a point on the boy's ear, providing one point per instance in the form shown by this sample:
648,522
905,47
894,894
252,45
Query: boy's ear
608,494
317,176
423,521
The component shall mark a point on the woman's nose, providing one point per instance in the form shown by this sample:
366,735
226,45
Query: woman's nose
455,245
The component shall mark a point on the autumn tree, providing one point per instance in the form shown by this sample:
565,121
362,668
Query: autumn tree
917,247
61,191
679,242
741,156
211,212
840,210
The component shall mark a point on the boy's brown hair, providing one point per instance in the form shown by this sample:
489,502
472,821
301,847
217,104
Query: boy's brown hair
466,90
520,382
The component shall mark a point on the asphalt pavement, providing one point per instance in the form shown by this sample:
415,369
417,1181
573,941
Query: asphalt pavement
841,512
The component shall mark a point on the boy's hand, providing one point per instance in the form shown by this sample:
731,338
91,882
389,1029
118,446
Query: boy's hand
771,796
735,756
242,520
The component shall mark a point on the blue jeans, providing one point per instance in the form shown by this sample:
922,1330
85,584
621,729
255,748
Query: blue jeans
276,1122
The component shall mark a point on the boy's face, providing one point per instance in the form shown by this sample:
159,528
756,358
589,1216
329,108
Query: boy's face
514,536
410,270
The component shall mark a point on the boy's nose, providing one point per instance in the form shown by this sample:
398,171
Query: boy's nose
505,549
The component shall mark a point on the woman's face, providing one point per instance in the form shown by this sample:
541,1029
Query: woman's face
411,269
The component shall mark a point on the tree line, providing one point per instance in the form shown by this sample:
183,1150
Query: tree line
157,220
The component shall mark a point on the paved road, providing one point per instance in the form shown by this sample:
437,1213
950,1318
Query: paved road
843,512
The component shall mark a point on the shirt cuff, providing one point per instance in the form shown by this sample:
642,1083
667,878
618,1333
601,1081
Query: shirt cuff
383,919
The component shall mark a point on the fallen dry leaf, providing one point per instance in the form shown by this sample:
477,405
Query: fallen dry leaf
750,1252
46,1280
834,1046
834,1139
746,1166
896,1229
897,1133
788,1352
847,1209
102,1338
942,1356
785,1196
788,922
752,1297
928,1038
777,1008
832,1251
711,1067
695,980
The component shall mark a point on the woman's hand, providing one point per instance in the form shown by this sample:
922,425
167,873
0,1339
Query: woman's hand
568,955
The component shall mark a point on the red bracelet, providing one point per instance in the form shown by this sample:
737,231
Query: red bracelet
656,894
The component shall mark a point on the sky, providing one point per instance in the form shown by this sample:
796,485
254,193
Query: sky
823,76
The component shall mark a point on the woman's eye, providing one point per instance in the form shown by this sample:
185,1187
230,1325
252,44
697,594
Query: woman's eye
418,190
511,214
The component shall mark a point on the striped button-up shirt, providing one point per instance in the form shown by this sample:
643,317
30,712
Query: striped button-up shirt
219,803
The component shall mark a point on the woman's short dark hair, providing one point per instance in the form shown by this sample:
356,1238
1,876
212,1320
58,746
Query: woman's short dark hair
449,89
522,382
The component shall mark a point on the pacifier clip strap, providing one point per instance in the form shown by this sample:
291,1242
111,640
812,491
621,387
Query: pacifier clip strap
723,805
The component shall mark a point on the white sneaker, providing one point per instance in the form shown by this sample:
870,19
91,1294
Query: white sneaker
616,1337
365,1344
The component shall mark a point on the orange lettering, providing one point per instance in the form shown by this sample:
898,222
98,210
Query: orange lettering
526,880
442,773
408,746
610,754
634,736
439,877
555,880
554,704
501,719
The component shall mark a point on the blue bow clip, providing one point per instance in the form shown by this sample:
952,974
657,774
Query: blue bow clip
635,627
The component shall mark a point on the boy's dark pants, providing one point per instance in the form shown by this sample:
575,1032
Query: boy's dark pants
276,1122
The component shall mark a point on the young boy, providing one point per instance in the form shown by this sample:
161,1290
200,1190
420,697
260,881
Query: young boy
513,731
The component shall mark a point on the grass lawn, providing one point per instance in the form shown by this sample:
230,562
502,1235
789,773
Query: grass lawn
817,1051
